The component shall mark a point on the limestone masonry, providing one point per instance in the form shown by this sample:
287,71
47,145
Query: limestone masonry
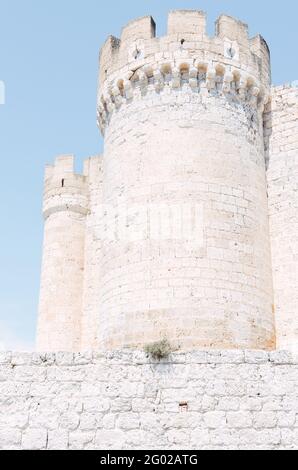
122,400
186,227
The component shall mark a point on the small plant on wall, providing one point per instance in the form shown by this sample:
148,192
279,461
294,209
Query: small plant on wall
159,350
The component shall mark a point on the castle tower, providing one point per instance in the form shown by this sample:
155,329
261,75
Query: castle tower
281,126
182,119
166,235
65,207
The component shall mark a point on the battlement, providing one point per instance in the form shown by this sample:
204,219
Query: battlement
64,189
143,28
231,28
187,22
92,165
228,63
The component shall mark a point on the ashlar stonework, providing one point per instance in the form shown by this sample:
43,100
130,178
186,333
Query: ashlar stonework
184,230
123,400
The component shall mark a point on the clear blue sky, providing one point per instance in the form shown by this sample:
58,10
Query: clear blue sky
48,62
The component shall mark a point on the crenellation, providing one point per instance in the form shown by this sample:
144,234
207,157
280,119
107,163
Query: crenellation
186,39
64,164
260,47
64,190
91,165
139,28
108,57
230,28
186,43
186,22
49,171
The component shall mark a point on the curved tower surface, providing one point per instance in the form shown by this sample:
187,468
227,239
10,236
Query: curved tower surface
182,118
173,233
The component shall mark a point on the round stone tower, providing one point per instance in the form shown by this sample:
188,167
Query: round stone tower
65,208
182,119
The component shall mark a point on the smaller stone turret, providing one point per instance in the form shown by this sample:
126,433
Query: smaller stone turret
64,189
65,207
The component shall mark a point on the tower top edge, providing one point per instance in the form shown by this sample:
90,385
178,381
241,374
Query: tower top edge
64,166
186,32
179,21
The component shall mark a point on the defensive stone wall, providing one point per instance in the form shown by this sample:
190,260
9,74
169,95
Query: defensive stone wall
123,400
